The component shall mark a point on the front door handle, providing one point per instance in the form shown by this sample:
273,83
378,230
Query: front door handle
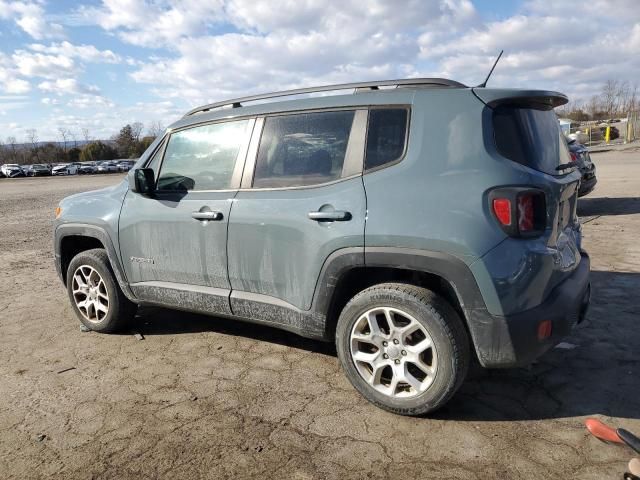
330,216
207,215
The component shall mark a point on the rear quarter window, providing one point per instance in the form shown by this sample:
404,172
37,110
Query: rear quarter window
386,136
531,137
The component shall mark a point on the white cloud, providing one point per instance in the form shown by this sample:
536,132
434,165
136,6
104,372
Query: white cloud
31,64
193,51
67,86
16,85
289,43
9,81
89,102
549,45
86,53
30,17
171,20
54,62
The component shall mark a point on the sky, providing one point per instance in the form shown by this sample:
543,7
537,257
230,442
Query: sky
99,65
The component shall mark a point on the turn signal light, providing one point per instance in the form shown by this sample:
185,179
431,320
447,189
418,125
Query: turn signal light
58,211
502,209
544,329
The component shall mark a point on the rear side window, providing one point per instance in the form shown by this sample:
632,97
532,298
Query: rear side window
202,158
531,137
386,136
302,149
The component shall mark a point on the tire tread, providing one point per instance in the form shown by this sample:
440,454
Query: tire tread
454,330
124,309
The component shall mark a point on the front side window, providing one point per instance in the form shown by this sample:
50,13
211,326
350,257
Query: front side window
386,136
302,149
202,158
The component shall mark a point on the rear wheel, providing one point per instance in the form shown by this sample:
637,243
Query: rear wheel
403,347
95,295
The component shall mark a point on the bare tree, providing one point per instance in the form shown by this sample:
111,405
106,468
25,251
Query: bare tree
33,140
610,96
85,134
156,129
12,145
64,134
74,138
629,98
136,130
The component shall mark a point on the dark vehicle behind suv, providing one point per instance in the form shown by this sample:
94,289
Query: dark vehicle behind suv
360,219
580,155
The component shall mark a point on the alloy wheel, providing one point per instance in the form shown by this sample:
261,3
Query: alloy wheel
393,352
90,293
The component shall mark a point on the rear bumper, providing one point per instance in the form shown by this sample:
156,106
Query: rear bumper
512,340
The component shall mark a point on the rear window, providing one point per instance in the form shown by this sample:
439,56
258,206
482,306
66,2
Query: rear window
531,137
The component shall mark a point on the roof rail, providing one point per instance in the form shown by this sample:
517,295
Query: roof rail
407,82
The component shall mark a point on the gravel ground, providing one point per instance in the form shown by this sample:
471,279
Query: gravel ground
204,397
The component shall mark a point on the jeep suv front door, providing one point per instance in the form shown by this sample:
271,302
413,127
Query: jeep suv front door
301,200
176,239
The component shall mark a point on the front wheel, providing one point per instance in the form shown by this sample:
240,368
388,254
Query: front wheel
403,347
95,295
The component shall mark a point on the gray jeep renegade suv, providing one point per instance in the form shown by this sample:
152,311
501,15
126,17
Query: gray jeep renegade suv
415,222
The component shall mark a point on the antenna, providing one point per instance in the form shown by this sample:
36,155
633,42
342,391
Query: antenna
484,84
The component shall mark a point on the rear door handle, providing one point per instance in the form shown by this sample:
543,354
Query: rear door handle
207,215
331,216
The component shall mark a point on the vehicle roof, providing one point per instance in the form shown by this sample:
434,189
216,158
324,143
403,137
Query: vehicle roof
403,94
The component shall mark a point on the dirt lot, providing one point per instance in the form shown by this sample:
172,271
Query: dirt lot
206,397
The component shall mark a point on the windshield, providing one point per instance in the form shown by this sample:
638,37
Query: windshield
531,137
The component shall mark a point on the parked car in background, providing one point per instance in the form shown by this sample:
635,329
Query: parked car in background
580,155
65,169
107,167
86,168
11,170
613,131
125,165
38,170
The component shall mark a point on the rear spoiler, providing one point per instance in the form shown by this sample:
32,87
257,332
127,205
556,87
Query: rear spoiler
540,99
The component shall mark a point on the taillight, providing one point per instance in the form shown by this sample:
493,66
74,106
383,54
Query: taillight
502,210
545,328
525,213
574,156
521,212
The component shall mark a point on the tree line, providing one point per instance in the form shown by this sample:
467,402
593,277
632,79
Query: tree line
130,142
615,100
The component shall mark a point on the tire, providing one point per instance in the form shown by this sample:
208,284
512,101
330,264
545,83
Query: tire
416,310
119,309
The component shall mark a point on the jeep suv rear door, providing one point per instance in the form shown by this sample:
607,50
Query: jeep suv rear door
302,199
176,240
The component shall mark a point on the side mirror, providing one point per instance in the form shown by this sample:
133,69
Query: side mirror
144,181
